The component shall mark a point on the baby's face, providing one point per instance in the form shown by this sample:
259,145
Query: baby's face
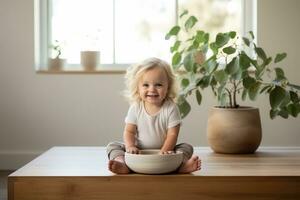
153,86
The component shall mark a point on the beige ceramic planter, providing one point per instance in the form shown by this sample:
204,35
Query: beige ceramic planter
90,60
56,64
234,130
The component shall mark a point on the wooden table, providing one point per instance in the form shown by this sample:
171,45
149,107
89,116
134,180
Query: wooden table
81,173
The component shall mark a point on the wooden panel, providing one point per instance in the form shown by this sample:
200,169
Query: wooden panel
155,187
81,173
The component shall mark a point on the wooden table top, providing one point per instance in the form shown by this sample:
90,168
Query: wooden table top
92,161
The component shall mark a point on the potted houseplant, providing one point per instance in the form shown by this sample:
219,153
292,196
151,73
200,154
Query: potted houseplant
231,66
56,63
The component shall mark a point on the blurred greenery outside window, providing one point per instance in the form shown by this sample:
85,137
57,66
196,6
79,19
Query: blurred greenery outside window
128,31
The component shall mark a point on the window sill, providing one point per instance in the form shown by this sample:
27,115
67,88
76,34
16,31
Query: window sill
83,71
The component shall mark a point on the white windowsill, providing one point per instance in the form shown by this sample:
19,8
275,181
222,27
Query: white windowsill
76,69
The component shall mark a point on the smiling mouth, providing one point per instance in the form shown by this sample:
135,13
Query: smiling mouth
152,96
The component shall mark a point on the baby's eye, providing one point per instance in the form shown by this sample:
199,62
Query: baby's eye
158,85
145,85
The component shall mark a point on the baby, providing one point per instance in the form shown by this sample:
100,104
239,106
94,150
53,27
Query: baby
153,119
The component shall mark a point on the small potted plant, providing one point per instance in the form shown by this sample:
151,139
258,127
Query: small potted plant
56,63
231,66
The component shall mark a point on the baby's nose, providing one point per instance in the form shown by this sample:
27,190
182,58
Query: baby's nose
151,88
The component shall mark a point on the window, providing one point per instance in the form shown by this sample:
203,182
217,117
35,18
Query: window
125,31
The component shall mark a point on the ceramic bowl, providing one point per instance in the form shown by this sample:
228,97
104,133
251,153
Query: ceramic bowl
151,162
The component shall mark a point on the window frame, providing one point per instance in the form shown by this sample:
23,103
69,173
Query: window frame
42,13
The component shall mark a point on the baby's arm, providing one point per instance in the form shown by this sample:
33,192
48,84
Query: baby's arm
170,142
129,138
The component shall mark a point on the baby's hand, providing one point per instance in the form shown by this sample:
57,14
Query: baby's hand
133,150
166,152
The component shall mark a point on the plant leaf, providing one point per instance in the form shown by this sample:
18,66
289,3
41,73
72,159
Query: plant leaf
232,34
188,62
222,39
200,36
229,50
268,61
204,81
193,46
248,82
184,13
293,109
244,61
185,82
265,88
261,53
277,96
286,100
214,47
279,74
237,75
176,60
294,97
210,65
253,62
175,46
233,66
273,113
184,107
253,90
174,31
251,34
246,41
190,22
198,97
206,37
221,76
279,57
284,113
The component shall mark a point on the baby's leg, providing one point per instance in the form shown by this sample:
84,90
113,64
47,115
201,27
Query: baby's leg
118,165
190,165
115,153
190,162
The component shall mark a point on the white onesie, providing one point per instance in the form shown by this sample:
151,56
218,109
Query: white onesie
152,129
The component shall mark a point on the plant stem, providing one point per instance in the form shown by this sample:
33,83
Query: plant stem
230,98
234,94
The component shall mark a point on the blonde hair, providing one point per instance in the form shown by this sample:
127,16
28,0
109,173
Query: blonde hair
135,72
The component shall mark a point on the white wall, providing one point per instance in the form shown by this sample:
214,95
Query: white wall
38,111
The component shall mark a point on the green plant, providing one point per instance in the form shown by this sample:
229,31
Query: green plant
56,49
231,65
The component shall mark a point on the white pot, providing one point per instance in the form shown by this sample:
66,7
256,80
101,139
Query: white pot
56,64
90,60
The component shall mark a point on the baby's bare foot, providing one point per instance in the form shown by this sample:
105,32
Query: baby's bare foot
118,167
193,164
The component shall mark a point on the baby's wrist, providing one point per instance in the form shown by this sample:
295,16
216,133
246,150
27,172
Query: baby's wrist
166,150
132,149
129,146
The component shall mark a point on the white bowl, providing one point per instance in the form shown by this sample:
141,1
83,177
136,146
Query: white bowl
151,162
